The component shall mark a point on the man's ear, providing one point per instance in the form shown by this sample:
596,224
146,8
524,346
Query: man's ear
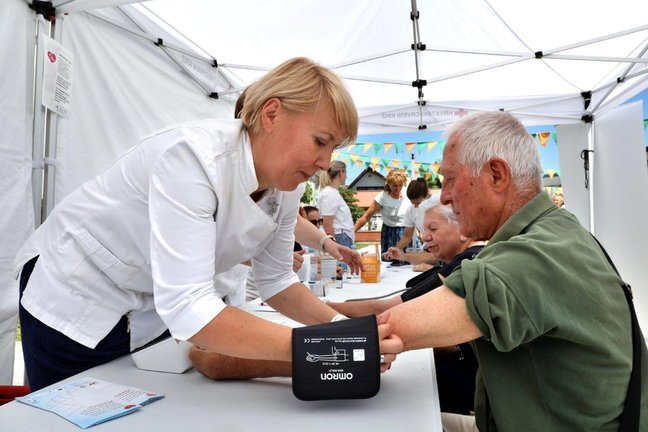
269,113
500,173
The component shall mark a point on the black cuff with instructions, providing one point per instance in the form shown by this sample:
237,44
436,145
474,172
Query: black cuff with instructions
338,360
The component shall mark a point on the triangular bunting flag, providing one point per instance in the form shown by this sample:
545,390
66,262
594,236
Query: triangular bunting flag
409,146
543,137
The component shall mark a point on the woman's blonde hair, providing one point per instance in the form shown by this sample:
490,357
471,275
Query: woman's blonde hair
326,177
395,177
302,86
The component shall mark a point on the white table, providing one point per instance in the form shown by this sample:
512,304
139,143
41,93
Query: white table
407,398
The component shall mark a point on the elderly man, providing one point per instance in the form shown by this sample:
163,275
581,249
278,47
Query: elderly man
545,310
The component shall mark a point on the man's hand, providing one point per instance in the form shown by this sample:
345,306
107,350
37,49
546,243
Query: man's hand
390,344
223,367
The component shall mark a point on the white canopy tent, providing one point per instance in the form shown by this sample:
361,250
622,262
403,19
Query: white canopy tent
410,65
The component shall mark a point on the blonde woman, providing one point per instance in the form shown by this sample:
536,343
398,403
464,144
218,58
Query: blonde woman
135,251
335,212
392,207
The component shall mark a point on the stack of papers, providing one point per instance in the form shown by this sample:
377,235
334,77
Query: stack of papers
87,401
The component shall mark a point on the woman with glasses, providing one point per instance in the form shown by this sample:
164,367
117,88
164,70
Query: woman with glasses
313,215
336,214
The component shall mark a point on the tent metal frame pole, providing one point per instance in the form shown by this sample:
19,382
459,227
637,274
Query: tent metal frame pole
165,48
633,60
620,79
591,154
366,59
51,143
150,38
417,47
39,122
530,56
600,108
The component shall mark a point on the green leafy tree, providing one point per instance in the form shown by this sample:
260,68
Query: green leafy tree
434,182
307,198
351,200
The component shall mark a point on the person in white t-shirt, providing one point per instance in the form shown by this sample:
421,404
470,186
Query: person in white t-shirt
335,212
392,207
419,195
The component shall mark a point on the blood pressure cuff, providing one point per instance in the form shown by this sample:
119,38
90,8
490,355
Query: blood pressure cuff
338,360
421,278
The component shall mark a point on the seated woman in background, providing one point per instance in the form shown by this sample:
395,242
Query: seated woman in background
455,366
392,207
419,195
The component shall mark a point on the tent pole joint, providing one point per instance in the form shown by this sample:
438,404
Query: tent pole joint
587,99
44,8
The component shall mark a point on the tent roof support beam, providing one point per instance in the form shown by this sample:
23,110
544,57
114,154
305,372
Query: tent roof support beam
619,80
165,50
367,59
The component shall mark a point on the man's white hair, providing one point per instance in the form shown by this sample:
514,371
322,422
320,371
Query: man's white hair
486,135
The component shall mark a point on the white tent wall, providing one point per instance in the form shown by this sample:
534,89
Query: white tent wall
572,140
17,27
124,88
620,197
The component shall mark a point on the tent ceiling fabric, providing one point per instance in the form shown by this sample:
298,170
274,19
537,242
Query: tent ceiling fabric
478,54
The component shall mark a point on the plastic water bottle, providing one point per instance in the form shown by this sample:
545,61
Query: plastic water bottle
329,266
314,266
304,272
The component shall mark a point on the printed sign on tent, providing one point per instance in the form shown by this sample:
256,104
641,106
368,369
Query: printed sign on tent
57,77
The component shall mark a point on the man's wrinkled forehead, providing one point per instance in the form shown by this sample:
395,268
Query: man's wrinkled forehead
449,154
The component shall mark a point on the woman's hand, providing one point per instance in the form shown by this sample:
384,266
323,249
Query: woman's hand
394,254
342,253
298,260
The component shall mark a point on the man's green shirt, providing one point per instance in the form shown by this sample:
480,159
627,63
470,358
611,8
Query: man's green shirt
556,354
